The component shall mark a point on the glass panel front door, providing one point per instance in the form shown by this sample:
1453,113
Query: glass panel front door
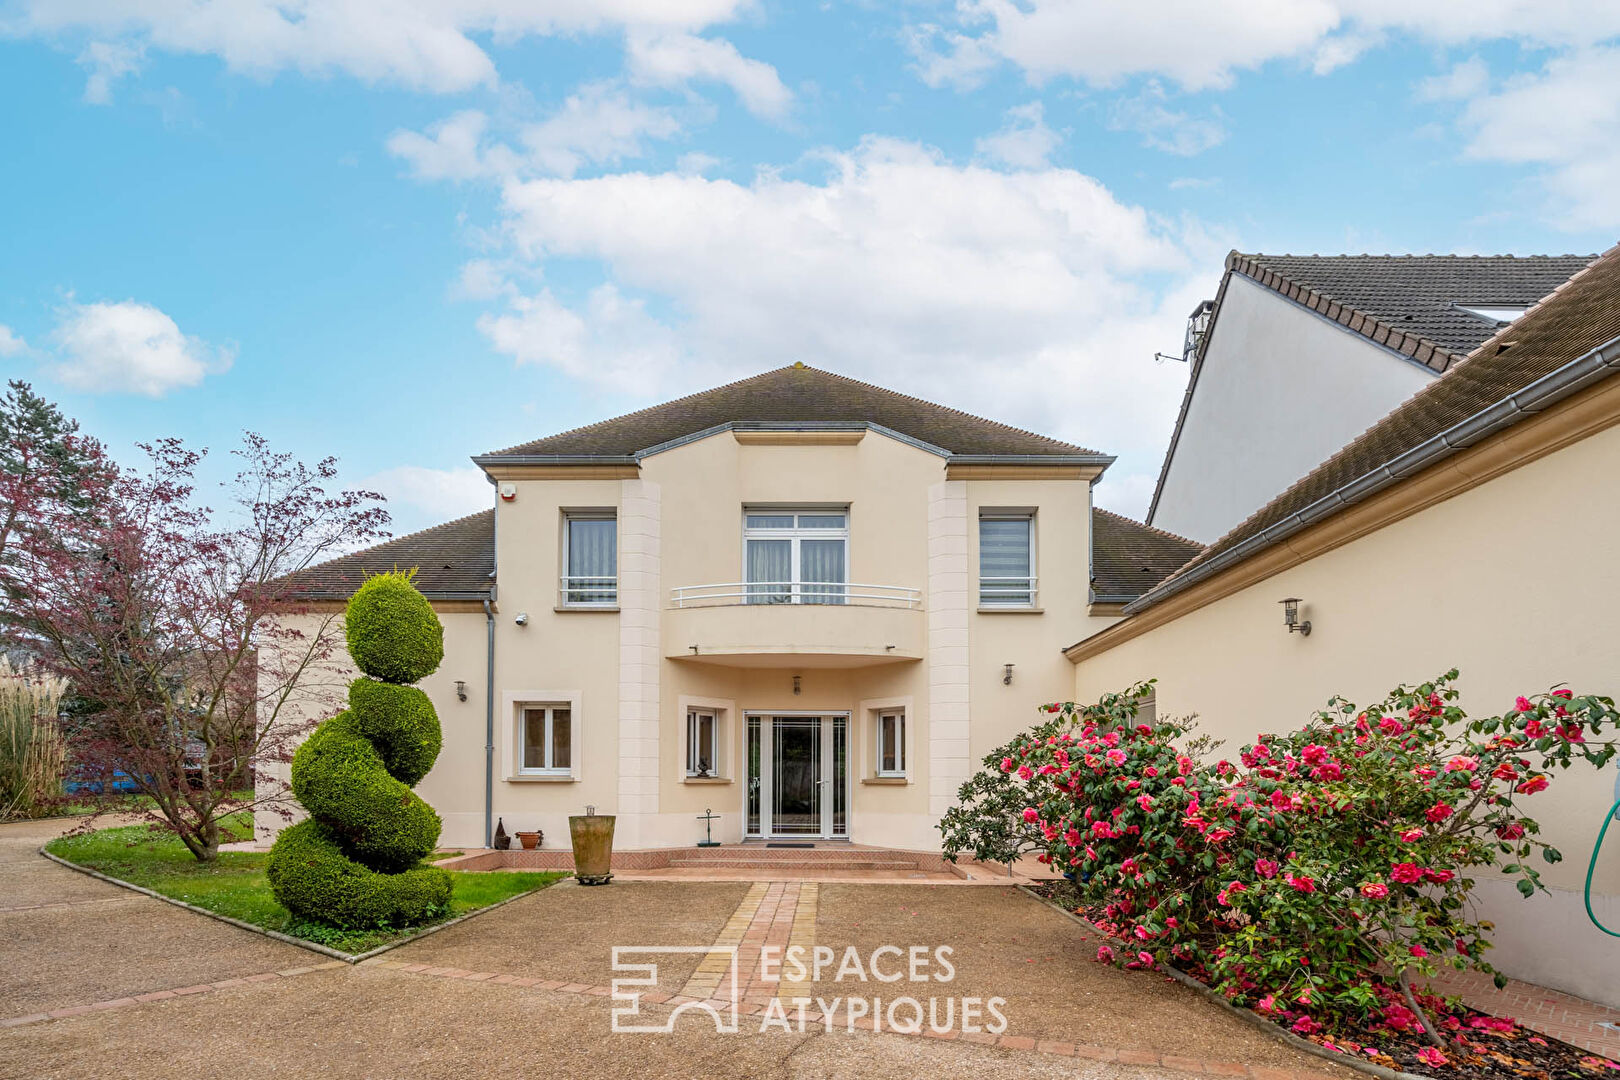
798,775
796,772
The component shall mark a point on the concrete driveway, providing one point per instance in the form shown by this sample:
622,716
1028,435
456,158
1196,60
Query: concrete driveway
149,990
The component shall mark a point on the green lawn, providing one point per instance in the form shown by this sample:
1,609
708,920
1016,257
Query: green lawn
235,885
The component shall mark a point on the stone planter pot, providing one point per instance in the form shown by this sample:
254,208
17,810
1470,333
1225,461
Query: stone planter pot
592,835
529,840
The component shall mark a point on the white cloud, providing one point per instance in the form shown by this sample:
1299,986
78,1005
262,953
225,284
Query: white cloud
1201,44
599,124
421,44
1024,141
108,62
1566,119
674,59
10,343
1032,296
130,347
1164,128
441,494
1466,79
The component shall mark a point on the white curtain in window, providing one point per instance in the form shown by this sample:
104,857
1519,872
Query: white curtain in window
768,561
593,555
822,560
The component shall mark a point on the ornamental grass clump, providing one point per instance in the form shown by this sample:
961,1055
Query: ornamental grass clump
1316,876
32,754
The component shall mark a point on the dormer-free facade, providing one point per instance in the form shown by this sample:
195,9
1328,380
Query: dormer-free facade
807,605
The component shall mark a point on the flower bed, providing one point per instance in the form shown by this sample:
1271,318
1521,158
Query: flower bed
1483,1046
1323,877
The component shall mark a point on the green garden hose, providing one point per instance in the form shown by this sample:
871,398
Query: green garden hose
1591,867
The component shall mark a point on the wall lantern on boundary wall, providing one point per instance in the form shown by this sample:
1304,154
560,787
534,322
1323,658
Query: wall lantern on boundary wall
1291,616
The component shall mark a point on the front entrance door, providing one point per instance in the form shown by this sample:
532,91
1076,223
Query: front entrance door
798,776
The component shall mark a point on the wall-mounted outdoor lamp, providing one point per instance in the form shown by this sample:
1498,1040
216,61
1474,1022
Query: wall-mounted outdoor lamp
461,690
1006,675
1291,616
796,686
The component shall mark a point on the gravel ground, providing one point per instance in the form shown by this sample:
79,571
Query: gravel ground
1011,945
73,955
568,931
367,1023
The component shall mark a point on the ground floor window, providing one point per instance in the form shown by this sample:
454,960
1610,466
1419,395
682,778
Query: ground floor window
702,742
891,742
548,732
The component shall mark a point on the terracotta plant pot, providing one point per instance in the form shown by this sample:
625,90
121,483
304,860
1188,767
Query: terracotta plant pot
592,835
529,840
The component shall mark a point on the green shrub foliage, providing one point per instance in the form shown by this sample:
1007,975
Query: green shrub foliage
358,862
392,632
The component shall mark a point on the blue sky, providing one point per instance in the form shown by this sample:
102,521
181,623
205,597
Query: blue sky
403,234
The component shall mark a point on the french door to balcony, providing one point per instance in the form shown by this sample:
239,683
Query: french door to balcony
798,776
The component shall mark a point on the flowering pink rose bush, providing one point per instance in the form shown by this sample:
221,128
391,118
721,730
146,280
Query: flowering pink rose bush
1317,874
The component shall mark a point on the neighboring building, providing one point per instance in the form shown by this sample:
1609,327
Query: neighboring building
1476,526
807,603
1299,354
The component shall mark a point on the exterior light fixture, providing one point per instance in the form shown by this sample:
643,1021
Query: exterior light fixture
796,686
461,690
1006,675
522,618
1291,616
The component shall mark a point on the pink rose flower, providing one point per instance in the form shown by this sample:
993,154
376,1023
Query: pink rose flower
1116,757
1462,763
1266,868
1031,815
1375,890
1533,785
1438,812
1418,951
1300,882
1006,764
1406,873
1411,835
1430,1055
1523,704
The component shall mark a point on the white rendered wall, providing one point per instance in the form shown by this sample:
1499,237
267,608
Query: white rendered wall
1281,390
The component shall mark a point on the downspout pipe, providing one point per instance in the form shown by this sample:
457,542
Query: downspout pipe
489,729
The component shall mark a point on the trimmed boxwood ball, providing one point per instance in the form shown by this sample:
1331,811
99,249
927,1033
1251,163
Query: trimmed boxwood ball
400,723
314,879
358,861
392,632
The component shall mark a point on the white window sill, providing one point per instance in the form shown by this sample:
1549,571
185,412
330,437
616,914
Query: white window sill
1010,609
543,778
895,780
571,609
706,780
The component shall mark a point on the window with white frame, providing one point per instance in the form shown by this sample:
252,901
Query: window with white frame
590,559
796,556
1006,559
702,742
891,742
547,732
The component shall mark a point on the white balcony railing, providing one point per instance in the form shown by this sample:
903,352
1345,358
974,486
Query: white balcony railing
1006,591
795,592
581,591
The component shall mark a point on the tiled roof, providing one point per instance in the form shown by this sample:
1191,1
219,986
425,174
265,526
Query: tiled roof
1582,315
1129,558
1409,304
789,395
1419,299
452,561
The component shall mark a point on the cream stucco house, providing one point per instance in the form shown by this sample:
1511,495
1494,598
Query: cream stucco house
1476,526
805,603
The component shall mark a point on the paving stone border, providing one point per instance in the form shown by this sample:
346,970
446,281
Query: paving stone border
1247,1015
312,946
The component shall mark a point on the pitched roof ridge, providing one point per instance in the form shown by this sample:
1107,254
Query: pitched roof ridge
640,411
1401,255
1166,533
997,424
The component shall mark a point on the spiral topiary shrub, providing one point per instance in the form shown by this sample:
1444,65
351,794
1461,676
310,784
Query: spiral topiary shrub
357,861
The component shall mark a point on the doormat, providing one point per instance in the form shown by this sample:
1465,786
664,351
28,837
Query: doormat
791,845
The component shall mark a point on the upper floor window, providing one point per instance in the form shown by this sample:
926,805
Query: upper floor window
796,556
590,559
1007,559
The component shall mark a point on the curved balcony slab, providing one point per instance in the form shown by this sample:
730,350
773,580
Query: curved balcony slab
794,635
